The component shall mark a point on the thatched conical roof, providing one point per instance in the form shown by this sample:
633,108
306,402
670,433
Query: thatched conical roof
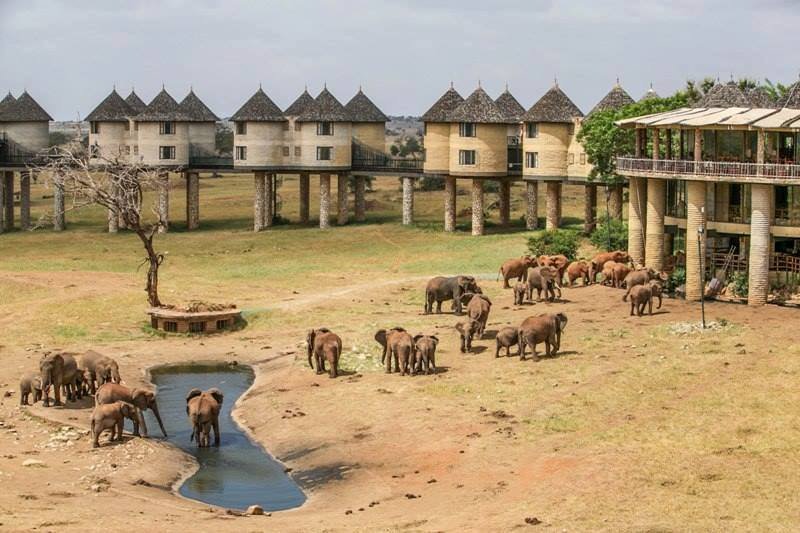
725,95
259,108
8,100
112,109
510,107
362,109
792,97
326,108
299,106
553,106
617,98
759,97
479,107
24,109
444,106
196,109
163,108
135,102
651,93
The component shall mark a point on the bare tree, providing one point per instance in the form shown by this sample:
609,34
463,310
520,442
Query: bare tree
118,185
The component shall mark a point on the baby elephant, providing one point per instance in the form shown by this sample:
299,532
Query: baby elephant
425,356
30,383
641,295
467,329
506,338
110,416
324,345
519,293
203,409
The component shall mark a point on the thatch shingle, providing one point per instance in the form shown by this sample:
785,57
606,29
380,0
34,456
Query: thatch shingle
135,102
24,109
196,109
299,106
510,107
444,106
163,108
759,97
259,108
651,93
8,100
362,109
326,108
553,106
617,98
792,97
112,109
725,95
480,108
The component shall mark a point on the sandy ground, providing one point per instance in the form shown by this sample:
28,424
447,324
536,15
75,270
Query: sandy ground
598,438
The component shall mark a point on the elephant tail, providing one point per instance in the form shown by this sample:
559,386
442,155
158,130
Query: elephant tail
195,433
625,296
499,273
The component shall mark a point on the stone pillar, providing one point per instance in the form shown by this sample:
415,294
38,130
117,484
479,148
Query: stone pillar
25,200
477,207
305,182
8,198
615,201
589,208
695,217
761,142
656,145
259,206
698,147
324,201
341,193
760,249
192,201
532,205
59,216
269,205
163,202
656,206
553,220
361,198
637,213
408,201
449,203
505,203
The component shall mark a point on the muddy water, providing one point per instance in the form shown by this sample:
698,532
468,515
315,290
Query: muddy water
237,474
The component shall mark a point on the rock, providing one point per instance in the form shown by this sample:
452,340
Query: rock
533,521
8,393
254,510
33,462
97,487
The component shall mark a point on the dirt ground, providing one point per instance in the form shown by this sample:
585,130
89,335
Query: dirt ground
639,424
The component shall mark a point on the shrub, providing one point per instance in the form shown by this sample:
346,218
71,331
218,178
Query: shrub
676,279
554,242
431,183
740,284
491,186
618,231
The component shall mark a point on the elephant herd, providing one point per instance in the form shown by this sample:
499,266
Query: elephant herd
97,375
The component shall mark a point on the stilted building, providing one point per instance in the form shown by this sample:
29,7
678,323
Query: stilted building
112,134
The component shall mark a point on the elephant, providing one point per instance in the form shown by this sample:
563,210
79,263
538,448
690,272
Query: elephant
324,345
110,416
608,273
515,268
397,343
597,262
559,262
467,329
441,289
543,279
658,290
30,383
546,328
478,307
506,338
425,358
141,399
642,277
619,274
578,270
51,367
520,289
70,378
641,295
203,409
100,368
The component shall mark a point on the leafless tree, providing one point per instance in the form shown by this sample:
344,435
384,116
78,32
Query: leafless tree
118,185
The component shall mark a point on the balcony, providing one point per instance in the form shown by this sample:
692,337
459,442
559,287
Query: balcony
709,170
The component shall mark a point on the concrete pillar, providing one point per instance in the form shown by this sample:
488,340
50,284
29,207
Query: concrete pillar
8,198
341,193
477,207
637,213
269,205
615,202
449,203
59,216
361,198
695,218
259,202
163,203
305,186
408,201
324,201
637,140
760,249
656,206
532,205
553,200
192,201
698,147
589,208
25,200
761,142
656,144
505,203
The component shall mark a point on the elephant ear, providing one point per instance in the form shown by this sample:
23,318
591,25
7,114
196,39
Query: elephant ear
486,299
380,336
466,297
435,340
562,321
193,394
216,394
417,337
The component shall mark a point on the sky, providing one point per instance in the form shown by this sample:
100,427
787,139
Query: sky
404,53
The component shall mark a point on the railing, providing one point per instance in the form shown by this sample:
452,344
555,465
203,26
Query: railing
778,262
365,158
12,155
708,168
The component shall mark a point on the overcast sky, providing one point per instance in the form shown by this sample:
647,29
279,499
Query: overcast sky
68,54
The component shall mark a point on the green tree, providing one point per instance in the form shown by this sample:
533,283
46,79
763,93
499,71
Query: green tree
776,90
406,147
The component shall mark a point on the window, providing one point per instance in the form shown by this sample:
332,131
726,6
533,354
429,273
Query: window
324,153
286,125
127,149
166,128
285,151
324,128
571,159
241,128
166,152
533,130
241,153
197,327
95,127
297,126
127,126
571,129
467,129
297,151
532,159
583,158
171,326
223,324
466,157
136,149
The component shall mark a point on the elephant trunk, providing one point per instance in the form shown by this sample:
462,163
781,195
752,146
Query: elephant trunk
154,408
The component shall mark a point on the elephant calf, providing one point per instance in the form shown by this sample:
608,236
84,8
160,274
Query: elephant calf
203,409
467,329
641,296
100,369
30,383
324,345
578,270
110,416
546,328
397,344
478,307
141,399
642,277
519,293
425,354
543,279
506,338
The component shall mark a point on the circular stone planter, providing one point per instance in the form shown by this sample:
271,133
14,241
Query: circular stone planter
198,322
